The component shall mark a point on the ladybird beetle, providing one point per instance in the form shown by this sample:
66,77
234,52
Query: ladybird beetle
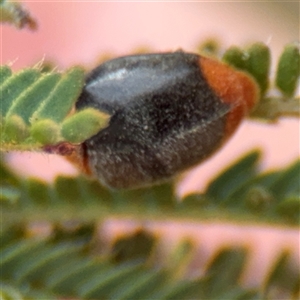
168,112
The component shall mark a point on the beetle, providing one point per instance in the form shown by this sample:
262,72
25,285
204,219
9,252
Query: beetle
168,112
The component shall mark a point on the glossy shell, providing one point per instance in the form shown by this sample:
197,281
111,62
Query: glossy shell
166,115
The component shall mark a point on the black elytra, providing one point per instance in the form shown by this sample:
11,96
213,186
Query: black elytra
165,118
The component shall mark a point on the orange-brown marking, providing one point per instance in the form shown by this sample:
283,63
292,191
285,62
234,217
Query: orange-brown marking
232,87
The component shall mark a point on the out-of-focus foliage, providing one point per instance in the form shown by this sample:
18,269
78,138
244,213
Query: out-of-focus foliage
14,13
64,264
240,194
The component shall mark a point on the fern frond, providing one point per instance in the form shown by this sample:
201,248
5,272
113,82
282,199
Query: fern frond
47,265
239,194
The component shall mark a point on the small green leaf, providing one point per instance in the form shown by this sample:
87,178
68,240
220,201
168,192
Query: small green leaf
14,86
255,60
288,70
258,64
60,101
15,130
83,125
236,57
5,73
28,102
224,271
231,179
46,132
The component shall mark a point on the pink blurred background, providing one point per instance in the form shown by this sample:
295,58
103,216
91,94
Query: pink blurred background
80,32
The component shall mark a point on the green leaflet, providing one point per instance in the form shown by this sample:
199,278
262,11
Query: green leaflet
61,99
255,60
288,70
14,130
26,104
46,132
13,87
35,109
258,64
75,129
235,57
230,180
231,260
